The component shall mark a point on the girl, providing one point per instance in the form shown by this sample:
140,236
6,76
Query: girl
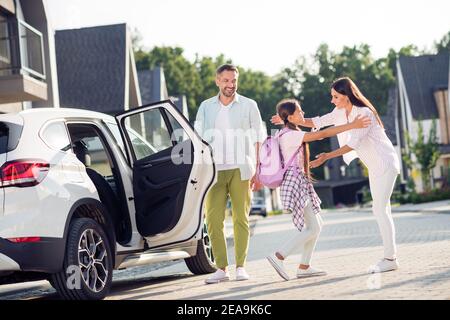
297,192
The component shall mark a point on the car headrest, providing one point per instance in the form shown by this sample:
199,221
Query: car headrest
82,153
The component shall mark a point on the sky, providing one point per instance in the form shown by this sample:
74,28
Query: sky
264,35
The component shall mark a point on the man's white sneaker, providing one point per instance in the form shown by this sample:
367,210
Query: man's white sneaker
277,264
310,272
241,274
218,276
384,266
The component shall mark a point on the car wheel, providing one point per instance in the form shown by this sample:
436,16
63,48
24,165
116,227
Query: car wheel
203,261
88,266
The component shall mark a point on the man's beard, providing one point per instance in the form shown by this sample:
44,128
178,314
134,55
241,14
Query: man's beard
228,93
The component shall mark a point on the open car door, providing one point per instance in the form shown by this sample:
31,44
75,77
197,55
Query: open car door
173,169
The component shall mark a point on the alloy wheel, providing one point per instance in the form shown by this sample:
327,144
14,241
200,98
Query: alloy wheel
92,260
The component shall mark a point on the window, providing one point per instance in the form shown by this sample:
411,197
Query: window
98,156
5,51
89,148
55,136
114,129
148,133
179,134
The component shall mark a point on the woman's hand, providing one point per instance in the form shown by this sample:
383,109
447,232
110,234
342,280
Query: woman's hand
320,159
361,122
276,120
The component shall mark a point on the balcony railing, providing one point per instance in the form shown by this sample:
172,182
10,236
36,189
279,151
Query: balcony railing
21,49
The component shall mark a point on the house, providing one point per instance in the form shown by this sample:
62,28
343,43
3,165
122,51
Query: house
28,77
423,97
96,69
342,183
152,84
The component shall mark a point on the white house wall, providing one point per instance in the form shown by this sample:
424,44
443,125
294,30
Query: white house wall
412,126
426,125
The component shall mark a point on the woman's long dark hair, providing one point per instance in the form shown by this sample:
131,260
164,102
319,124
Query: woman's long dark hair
285,108
347,87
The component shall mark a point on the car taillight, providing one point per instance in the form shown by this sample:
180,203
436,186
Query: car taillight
23,173
24,239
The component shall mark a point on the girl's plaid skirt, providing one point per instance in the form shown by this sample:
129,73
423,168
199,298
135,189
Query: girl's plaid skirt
296,190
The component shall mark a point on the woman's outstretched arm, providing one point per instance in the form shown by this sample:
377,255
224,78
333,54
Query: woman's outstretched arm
323,157
359,122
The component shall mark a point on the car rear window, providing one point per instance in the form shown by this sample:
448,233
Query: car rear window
10,133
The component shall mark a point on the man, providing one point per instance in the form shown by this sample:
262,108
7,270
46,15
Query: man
232,124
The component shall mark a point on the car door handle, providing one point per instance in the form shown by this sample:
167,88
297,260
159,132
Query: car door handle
161,160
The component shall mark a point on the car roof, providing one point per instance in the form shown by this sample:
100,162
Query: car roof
55,113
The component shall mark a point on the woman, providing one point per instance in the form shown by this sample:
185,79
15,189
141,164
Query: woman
374,149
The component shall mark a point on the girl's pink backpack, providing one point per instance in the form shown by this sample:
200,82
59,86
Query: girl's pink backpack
271,167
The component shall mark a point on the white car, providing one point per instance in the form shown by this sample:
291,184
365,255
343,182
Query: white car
83,193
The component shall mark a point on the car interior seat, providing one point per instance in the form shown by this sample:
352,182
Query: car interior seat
105,192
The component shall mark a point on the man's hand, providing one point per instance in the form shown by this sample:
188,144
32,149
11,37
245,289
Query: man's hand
320,159
255,185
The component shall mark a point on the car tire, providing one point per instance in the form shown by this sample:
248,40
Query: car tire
203,261
88,241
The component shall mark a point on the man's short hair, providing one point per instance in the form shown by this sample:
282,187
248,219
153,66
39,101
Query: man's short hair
226,67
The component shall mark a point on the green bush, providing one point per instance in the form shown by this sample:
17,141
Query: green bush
275,212
413,197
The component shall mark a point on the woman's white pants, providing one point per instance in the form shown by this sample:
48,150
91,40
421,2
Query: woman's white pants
381,188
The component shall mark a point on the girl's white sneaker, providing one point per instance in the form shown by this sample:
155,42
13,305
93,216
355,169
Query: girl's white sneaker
310,272
277,264
384,266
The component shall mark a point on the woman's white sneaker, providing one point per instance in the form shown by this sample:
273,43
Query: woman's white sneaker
218,276
310,272
384,265
277,264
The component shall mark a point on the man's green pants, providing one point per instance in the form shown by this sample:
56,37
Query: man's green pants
229,183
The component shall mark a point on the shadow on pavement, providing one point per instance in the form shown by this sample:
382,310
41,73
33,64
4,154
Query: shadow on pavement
293,285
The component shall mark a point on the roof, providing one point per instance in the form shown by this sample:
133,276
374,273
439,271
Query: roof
91,67
424,75
152,85
390,118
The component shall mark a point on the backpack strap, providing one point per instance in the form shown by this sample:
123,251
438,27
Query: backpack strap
288,164
279,135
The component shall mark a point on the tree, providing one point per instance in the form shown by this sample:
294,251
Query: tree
181,75
425,152
444,44
392,56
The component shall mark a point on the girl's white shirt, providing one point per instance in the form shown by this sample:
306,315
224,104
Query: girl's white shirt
289,144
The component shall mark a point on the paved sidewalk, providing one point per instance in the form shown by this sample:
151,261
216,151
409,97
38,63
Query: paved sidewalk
349,243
